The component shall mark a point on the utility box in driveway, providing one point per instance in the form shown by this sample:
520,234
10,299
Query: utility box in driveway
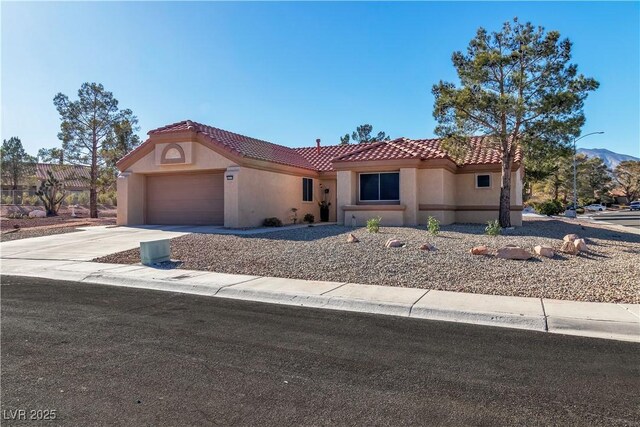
155,251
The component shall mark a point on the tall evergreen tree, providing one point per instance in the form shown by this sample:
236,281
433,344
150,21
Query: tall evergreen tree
362,135
516,86
16,164
627,177
87,126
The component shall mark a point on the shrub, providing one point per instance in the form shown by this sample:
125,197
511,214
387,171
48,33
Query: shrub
433,225
550,207
580,211
272,222
373,225
83,199
493,228
108,198
7,200
309,218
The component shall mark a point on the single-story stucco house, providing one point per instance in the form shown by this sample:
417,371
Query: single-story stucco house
189,173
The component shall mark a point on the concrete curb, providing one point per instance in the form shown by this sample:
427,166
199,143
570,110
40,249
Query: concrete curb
488,310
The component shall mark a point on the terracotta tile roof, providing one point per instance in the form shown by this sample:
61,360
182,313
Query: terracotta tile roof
242,145
322,160
72,175
311,158
424,149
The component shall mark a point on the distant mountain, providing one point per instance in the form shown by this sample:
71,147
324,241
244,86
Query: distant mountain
609,158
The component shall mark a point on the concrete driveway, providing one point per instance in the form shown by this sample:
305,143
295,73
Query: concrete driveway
90,242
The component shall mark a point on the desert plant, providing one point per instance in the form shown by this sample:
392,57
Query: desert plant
272,222
550,207
373,224
309,218
51,192
493,228
433,226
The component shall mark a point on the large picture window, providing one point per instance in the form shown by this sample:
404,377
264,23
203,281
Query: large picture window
380,187
307,190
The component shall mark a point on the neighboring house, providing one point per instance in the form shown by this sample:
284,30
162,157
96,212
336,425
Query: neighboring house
75,177
189,173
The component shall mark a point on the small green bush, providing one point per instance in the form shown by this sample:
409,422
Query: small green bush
373,225
550,207
433,226
108,198
580,211
272,222
309,218
7,200
493,228
83,199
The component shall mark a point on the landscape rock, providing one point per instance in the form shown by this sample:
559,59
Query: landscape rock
352,239
479,250
393,243
428,247
514,252
581,245
37,214
545,251
570,237
569,248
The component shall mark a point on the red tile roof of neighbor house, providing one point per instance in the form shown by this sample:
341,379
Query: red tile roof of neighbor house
71,175
322,159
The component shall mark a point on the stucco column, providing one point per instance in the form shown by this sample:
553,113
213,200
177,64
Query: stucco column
231,197
409,195
345,193
131,197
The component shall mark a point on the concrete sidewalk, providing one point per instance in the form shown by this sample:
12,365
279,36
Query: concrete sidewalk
599,320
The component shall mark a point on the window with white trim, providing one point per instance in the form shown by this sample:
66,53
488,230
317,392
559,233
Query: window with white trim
483,181
379,187
307,189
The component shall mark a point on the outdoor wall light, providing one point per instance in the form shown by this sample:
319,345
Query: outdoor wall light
229,177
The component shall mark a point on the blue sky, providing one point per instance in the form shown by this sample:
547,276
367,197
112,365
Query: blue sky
292,72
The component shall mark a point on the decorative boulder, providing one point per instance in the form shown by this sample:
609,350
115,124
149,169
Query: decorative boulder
544,251
37,214
570,237
569,248
514,252
581,245
428,247
352,239
479,250
393,243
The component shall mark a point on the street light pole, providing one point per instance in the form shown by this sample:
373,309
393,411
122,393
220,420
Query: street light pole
575,179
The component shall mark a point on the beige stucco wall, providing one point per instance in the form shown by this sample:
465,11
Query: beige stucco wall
131,183
202,158
389,218
445,217
481,217
262,194
441,188
131,198
468,195
346,194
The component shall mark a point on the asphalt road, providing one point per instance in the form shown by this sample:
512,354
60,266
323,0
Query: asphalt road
103,355
626,218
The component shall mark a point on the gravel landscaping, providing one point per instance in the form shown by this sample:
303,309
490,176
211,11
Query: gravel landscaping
26,233
608,272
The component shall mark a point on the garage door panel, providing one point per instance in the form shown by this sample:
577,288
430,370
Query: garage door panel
185,199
